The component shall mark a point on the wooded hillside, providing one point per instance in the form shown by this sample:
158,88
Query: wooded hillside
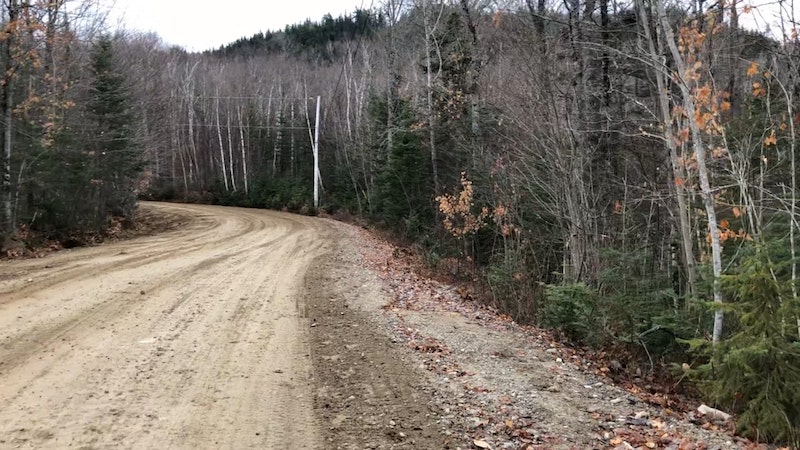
624,173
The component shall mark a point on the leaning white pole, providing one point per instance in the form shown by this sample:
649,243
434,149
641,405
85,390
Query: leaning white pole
316,158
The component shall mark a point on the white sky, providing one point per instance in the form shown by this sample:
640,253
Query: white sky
199,25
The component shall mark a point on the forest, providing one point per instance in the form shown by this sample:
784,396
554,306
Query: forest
623,173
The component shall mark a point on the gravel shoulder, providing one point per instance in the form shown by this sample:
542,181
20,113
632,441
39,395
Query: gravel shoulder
495,384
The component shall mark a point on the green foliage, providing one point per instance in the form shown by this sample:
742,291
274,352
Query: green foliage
117,158
633,305
291,194
515,290
60,193
755,372
571,309
310,38
402,194
90,167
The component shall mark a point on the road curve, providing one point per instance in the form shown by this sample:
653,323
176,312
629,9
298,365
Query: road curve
195,338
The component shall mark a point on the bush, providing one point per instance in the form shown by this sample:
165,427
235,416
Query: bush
571,309
632,305
755,372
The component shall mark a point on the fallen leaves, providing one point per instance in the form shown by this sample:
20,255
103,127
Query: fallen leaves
499,418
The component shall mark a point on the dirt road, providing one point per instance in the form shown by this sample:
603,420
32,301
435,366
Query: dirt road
253,329
195,338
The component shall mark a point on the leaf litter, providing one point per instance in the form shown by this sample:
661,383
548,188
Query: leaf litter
509,386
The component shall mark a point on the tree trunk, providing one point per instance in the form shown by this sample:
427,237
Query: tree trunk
705,186
8,115
659,72
292,149
473,93
221,145
429,30
276,149
230,151
244,155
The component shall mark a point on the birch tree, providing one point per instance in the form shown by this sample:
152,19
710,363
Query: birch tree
686,77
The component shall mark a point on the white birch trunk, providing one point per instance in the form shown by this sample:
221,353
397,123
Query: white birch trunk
230,151
705,187
657,61
221,146
276,149
242,145
292,149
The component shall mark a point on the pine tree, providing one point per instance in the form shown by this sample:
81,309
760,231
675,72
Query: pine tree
118,159
755,372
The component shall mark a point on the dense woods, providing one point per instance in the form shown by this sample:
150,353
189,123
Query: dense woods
623,173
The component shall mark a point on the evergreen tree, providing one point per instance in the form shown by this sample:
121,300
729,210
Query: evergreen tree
756,371
118,160
404,183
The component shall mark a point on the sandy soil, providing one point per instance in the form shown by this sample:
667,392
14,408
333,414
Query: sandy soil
199,337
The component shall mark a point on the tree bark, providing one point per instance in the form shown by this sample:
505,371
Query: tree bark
242,145
657,62
8,114
705,186
429,30
221,145
230,150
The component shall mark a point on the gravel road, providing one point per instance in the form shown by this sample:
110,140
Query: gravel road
199,337
242,328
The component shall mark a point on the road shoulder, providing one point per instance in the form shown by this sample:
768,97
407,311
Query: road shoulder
489,382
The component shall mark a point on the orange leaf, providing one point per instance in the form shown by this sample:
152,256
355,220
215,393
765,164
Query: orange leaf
679,181
737,212
704,93
771,139
752,70
724,223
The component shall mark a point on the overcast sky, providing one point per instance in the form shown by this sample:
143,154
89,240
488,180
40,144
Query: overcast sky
199,25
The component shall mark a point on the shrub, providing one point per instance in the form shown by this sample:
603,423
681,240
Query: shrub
755,372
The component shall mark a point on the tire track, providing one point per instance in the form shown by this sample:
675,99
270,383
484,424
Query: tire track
189,339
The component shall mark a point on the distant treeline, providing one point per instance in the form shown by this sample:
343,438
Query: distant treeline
309,39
